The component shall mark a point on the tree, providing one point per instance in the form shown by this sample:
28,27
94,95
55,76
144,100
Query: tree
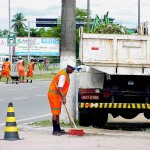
5,33
81,14
34,32
18,23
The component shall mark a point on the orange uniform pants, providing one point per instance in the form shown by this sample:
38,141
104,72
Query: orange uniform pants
5,73
21,72
55,103
29,73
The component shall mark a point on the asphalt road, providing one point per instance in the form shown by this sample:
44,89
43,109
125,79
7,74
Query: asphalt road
29,101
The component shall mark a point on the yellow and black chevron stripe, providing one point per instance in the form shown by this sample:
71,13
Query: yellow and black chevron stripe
115,105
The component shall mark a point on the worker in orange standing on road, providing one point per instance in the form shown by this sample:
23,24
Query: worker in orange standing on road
30,70
6,67
20,69
57,92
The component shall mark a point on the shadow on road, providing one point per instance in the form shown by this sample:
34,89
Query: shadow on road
128,126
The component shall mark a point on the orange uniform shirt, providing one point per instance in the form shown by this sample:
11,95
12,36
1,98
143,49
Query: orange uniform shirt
30,69
20,68
53,94
6,67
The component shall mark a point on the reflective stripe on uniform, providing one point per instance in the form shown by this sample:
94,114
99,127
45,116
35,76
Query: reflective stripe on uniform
55,108
52,91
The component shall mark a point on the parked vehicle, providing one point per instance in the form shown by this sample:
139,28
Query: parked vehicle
118,78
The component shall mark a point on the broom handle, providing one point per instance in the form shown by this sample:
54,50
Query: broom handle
70,117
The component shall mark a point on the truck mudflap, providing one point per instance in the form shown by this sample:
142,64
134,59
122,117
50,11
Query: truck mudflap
114,105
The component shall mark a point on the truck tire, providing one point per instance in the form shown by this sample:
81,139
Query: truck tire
99,119
129,114
84,119
147,114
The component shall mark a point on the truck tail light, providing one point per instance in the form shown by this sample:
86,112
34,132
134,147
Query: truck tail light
106,93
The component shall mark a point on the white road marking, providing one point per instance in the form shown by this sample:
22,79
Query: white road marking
10,89
26,119
1,100
32,87
40,95
20,97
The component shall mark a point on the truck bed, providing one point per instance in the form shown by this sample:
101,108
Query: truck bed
115,53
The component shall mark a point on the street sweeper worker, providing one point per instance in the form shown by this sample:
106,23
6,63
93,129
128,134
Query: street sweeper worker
6,68
30,70
20,69
57,92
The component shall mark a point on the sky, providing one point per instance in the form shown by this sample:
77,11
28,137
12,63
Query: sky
125,12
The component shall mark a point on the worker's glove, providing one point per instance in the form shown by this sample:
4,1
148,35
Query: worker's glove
79,69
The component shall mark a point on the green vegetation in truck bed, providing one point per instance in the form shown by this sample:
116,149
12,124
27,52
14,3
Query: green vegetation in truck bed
106,25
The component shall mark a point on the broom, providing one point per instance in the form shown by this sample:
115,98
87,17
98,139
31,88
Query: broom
74,131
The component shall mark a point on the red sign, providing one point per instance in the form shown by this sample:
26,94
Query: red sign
94,48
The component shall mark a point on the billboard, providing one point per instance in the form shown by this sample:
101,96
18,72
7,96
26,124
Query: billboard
38,46
4,49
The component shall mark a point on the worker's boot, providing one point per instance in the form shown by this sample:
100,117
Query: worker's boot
62,131
55,129
30,81
27,81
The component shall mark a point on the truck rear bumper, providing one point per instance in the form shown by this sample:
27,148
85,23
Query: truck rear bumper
114,105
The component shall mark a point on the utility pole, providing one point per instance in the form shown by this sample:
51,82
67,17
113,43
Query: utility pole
10,53
28,41
139,28
88,15
68,48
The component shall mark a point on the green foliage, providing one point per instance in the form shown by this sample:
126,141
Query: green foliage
106,26
81,14
18,23
43,75
34,32
109,29
40,66
22,33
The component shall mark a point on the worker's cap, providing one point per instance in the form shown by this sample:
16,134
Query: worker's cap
75,68
20,57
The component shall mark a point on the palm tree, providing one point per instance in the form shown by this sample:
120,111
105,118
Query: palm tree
5,33
18,23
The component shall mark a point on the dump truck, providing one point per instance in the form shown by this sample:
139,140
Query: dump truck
117,78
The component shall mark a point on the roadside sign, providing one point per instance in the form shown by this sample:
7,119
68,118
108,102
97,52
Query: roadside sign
11,40
53,22
46,22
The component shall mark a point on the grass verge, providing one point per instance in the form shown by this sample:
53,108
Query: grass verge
46,123
110,126
43,75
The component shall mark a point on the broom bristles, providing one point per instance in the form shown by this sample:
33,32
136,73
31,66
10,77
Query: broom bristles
76,131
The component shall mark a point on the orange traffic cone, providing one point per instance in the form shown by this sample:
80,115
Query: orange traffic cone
11,130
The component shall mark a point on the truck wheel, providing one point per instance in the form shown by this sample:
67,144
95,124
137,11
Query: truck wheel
129,114
147,115
84,119
99,119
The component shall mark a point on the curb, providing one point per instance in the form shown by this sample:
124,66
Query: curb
89,131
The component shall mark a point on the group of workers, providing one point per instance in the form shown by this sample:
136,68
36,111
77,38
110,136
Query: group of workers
6,69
